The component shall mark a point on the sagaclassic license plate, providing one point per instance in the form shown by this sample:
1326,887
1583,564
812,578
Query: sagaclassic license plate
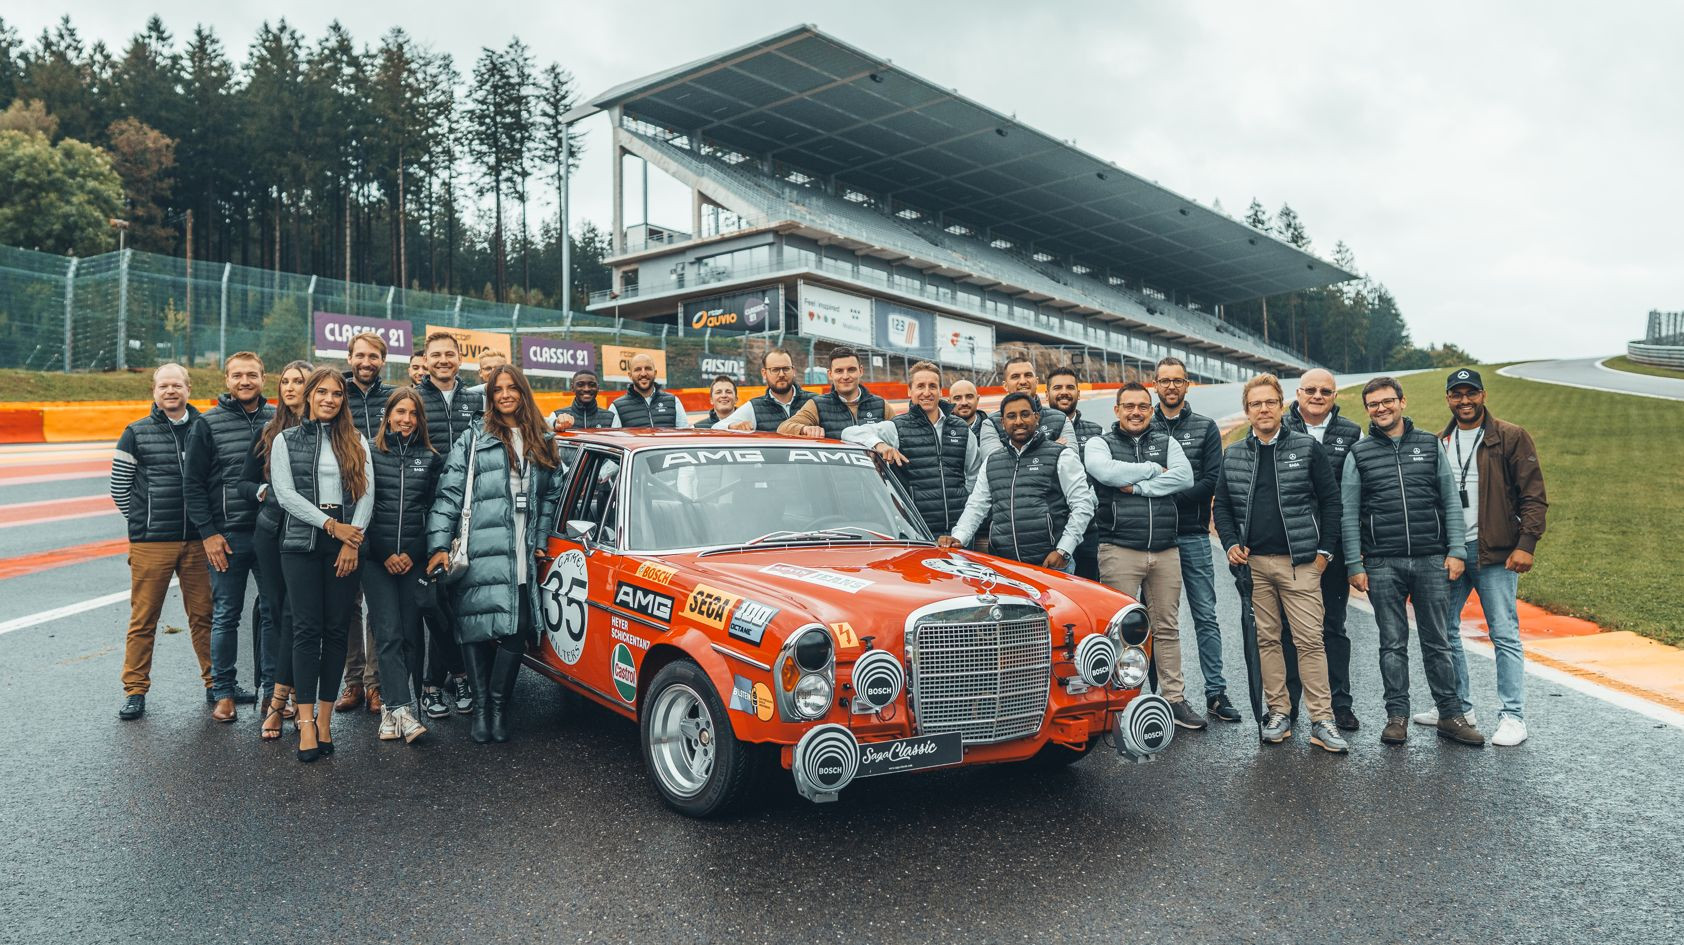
910,754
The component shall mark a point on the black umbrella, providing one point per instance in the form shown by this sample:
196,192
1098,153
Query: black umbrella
1248,634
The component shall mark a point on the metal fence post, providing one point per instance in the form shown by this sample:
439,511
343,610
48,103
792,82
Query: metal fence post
222,315
389,292
123,310
310,319
567,325
69,310
456,314
514,323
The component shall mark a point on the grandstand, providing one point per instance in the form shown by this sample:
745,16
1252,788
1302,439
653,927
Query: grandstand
858,203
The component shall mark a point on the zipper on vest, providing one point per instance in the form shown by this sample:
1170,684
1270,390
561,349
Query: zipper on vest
1403,497
403,468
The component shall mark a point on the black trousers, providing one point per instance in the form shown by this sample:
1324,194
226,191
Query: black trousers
444,655
321,615
395,619
1335,598
1087,560
271,583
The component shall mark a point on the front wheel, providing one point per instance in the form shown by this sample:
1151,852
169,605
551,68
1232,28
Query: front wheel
698,766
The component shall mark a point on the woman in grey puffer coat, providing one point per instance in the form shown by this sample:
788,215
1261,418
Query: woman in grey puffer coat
517,490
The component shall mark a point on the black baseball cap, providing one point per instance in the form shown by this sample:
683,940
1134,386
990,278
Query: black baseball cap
1464,377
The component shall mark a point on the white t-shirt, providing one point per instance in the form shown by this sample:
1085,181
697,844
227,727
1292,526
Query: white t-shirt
1467,444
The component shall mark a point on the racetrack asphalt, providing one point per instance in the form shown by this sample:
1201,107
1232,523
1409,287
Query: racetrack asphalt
176,829
1592,374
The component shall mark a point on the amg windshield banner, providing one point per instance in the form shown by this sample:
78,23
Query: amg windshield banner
906,330
837,316
333,334
738,313
541,357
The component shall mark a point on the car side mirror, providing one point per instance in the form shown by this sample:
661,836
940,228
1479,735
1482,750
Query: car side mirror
580,531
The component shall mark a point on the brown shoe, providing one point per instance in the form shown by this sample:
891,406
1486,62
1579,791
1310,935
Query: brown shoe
225,711
1396,731
374,701
1457,729
351,698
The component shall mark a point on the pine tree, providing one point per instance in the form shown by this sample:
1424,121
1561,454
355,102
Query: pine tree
1290,228
488,124
559,145
1258,218
11,46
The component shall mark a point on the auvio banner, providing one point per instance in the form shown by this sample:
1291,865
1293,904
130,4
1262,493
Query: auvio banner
755,310
333,334
541,357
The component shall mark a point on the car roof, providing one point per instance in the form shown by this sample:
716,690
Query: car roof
643,439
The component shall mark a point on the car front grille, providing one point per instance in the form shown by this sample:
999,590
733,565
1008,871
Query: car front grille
983,676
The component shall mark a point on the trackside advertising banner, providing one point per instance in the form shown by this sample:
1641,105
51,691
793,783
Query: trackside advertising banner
333,334
542,357
905,330
755,310
616,363
837,316
964,344
473,344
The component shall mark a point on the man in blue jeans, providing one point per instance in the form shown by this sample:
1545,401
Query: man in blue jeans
1399,511
1201,443
224,520
1500,487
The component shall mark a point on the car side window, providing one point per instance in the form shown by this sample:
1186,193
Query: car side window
593,495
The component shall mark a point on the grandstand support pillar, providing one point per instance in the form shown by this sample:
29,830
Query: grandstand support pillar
618,238
695,214
222,315
123,310
69,310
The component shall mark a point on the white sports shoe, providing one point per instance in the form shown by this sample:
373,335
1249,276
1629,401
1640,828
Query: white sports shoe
388,724
1430,718
1510,731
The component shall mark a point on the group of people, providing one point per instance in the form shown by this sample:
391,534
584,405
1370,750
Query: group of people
345,492
349,486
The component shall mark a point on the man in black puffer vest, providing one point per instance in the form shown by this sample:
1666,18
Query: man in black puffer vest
1137,471
1064,393
782,399
1201,441
847,404
1033,491
722,401
931,452
1400,508
451,407
224,520
1314,412
1020,377
1276,507
365,392
147,472
584,413
647,404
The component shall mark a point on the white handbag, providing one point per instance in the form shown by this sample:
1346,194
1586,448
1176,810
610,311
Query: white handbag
457,565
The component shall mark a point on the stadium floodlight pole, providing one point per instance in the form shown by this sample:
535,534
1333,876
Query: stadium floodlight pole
566,232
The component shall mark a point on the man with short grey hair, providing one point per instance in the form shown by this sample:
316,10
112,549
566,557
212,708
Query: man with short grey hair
147,473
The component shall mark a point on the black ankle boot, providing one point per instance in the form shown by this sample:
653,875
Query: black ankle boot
505,666
478,664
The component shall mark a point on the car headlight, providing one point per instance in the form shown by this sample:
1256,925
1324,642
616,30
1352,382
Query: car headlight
1131,668
1129,625
812,696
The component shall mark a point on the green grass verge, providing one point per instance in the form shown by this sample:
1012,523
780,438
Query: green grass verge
52,387
1623,363
1611,466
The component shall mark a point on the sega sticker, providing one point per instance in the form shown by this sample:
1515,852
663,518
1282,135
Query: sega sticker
625,674
830,579
710,606
750,620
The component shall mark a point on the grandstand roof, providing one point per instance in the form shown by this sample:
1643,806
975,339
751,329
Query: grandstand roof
817,104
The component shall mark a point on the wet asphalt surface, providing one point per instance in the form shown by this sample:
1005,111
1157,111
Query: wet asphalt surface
177,829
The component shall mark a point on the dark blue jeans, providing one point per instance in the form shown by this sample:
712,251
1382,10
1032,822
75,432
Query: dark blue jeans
228,604
1420,580
1198,582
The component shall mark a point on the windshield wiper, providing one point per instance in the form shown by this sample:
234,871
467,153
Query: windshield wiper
799,536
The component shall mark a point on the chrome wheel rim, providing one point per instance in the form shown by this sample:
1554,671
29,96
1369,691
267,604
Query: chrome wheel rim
682,739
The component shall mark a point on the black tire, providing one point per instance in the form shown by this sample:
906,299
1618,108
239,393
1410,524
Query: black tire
734,769
1053,755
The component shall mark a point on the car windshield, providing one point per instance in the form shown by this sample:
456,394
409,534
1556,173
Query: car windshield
692,498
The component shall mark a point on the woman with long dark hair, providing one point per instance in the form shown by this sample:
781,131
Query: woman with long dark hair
266,545
517,488
406,469
323,478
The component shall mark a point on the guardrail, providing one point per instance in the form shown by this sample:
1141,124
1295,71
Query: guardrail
1667,356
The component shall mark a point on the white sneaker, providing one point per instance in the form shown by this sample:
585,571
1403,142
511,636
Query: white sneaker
388,724
408,726
1510,731
1429,718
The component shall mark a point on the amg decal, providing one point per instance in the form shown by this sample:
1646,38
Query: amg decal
642,600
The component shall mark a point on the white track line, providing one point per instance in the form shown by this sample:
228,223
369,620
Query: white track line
68,610
1605,390
1614,697
58,518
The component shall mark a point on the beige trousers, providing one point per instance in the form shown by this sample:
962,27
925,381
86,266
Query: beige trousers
151,566
1277,585
1159,574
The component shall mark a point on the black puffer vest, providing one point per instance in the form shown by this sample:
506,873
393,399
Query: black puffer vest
158,504
305,443
1052,423
1191,430
405,473
1029,505
935,470
1130,520
835,415
368,410
1299,508
446,421
594,418
708,422
768,413
232,432
1400,513
659,410
1341,435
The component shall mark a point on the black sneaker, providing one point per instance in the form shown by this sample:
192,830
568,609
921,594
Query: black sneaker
1185,717
1346,720
133,708
434,705
463,695
1222,709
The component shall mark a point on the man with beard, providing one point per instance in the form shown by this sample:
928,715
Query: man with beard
1020,378
1064,393
782,399
933,454
647,403
1314,412
584,413
847,404
365,401
224,520
963,396
1201,443
722,401
1033,491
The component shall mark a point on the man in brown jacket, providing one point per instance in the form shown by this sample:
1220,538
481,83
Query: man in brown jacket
1501,487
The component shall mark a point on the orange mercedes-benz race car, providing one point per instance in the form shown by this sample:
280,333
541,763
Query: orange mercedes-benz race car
754,599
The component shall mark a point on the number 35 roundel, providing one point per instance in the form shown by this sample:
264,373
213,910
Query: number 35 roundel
563,597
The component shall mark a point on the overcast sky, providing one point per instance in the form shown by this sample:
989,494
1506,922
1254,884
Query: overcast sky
1509,170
